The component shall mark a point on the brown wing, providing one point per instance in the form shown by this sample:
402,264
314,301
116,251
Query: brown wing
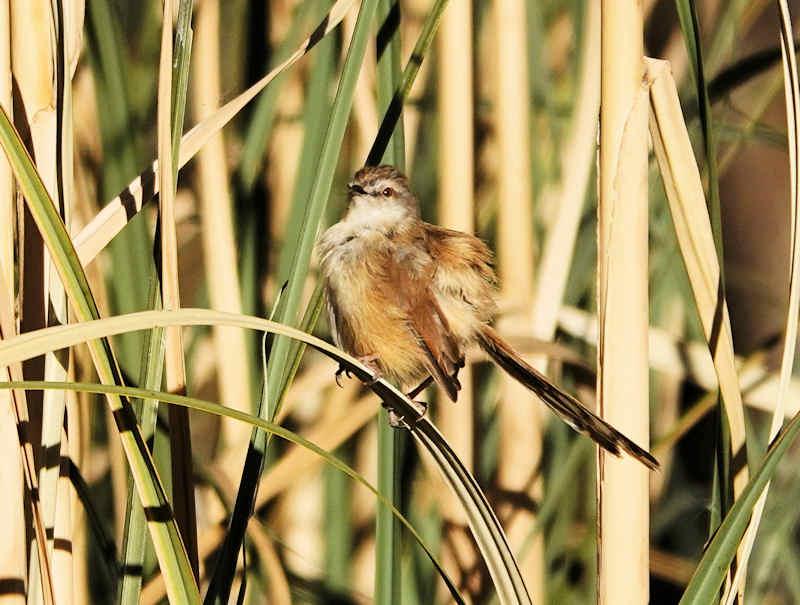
411,272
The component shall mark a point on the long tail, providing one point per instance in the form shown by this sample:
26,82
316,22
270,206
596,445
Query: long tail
566,406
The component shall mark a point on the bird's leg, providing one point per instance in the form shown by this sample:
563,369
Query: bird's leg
367,360
397,421
419,388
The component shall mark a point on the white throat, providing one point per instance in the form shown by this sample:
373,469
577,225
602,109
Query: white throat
373,217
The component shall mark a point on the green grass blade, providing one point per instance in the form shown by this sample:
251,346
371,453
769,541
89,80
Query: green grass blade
710,573
388,546
687,14
134,541
133,247
169,548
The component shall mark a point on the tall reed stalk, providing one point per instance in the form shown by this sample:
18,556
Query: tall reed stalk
622,380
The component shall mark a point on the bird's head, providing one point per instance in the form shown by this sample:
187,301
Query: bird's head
381,187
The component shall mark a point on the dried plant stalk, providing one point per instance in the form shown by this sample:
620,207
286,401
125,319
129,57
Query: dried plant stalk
520,414
13,552
456,210
180,438
623,533
576,166
219,247
692,225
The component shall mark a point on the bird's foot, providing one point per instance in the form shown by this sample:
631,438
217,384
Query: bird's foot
399,421
368,360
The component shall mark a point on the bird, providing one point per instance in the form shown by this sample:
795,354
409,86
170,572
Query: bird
408,298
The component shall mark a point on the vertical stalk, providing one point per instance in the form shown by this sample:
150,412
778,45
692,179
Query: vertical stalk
13,552
520,414
622,303
456,211
388,547
219,246
43,297
180,438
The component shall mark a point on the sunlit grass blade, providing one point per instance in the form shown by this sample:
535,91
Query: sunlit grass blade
169,549
682,182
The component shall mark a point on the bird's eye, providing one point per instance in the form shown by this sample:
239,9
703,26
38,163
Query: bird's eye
388,192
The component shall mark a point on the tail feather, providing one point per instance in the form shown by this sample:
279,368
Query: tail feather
563,404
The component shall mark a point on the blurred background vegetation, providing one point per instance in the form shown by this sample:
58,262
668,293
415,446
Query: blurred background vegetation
500,137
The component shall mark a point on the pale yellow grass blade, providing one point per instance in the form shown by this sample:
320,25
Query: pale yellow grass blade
792,94
116,214
682,182
622,380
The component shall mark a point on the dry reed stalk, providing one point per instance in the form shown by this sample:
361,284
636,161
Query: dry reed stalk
684,188
12,508
57,426
576,167
623,533
456,211
34,66
520,414
22,419
180,437
78,445
219,246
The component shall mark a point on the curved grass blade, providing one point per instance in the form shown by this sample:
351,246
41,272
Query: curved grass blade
792,90
730,441
168,546
704,586
483,523
209,407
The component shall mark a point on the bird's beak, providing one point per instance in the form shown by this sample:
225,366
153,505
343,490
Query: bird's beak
354,189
